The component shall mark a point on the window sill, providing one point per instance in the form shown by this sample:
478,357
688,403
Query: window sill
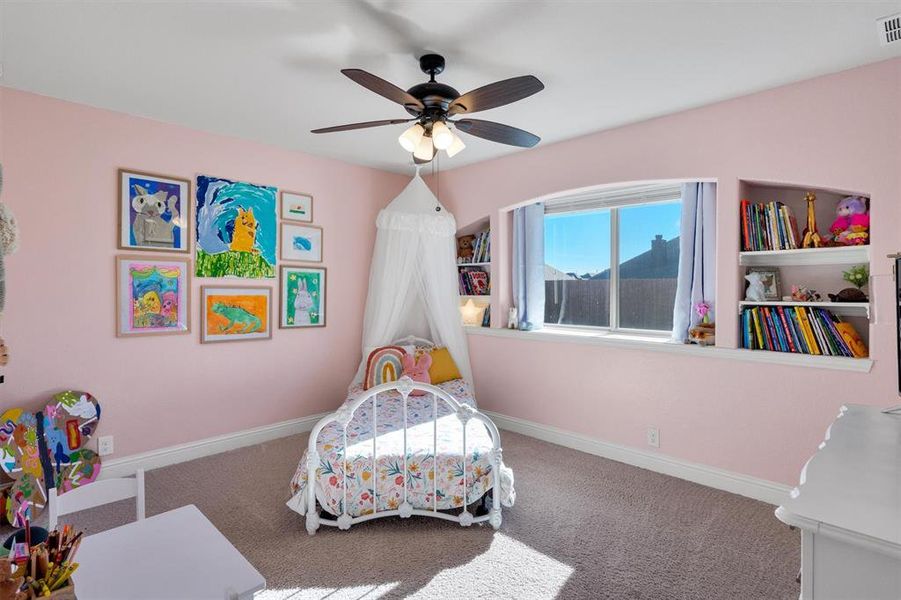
662,344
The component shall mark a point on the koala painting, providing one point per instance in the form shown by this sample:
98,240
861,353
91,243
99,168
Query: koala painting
149,226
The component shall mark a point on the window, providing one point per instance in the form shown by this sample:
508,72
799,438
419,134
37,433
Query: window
612,259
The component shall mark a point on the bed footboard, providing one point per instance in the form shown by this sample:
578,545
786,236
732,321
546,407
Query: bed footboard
405,510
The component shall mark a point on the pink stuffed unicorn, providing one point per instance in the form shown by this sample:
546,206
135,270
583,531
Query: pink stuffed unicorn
417,371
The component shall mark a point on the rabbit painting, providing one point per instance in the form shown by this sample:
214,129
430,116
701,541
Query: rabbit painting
303,304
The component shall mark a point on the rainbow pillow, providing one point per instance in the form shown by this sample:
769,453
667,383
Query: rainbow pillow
384,365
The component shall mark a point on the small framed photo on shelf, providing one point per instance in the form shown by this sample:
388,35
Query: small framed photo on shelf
772,285
302,297
152,296
301,242
235,313
154,212
294,206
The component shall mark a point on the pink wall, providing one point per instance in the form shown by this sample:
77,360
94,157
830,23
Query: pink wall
841,131
60,162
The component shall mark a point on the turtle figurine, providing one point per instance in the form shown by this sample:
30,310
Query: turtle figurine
849,295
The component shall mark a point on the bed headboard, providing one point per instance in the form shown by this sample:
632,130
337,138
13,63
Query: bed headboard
412,340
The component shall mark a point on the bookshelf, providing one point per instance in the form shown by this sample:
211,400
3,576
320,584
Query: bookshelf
469,274
819,269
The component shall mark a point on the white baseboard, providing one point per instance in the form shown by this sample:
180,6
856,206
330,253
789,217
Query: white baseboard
736,483
154,459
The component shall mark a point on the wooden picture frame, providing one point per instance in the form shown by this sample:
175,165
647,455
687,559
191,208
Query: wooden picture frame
288,244
290,302
772,282
148,231
155,318
238,316
295,214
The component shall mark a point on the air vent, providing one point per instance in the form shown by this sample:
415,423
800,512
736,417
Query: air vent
889,29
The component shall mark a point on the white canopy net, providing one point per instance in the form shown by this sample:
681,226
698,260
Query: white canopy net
413,288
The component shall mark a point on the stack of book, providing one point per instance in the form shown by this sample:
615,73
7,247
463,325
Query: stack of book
799,329
769,226
481,247
474,282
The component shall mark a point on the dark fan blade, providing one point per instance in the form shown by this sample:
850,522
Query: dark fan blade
496,94
361,125
383,88
497,132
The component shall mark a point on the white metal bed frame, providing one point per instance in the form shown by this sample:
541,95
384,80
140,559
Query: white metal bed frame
404,386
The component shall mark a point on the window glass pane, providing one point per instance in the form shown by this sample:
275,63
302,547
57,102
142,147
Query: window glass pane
648,264
577,268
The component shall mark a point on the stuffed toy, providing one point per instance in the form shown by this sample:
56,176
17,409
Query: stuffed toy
464,248
9,234
851,226
417,370
756,291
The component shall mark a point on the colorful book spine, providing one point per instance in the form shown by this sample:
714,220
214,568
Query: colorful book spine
799,330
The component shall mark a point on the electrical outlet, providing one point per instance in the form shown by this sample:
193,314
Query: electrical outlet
653,437
105,445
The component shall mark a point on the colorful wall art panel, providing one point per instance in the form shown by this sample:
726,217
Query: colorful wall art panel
302,297
232,314
154,211
236,229
47,449
301,242
152,296
296,207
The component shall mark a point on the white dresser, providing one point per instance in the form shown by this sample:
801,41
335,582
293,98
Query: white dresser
848,508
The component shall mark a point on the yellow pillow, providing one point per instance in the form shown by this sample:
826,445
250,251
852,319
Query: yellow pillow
443,366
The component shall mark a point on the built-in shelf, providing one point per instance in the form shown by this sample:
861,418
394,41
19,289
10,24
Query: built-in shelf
837,255
479,296
474,264
846,309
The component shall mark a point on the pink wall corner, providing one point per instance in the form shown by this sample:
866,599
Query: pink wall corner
838,131
60,162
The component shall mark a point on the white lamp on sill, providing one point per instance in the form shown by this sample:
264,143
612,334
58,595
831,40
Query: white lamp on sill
410,138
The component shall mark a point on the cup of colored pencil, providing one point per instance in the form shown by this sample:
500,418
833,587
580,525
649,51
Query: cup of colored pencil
46,569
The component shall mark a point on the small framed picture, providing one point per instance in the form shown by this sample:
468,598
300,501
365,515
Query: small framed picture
235,313
771,282
296,207
154,212
152,296
302,297
301,242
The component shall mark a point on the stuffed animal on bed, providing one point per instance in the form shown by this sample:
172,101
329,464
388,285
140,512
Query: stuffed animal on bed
417,370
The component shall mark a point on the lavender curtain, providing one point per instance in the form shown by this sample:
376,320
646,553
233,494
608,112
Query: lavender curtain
528,265
697,252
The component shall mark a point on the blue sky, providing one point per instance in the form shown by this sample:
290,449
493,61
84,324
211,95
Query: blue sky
580,243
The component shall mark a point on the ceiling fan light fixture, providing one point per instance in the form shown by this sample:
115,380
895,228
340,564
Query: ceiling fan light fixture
456,146
424,150
410,138
442,136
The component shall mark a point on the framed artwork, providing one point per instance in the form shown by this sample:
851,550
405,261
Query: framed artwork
772,285
236,229
153,296
233,313
302,297
296,207
154,212
301,242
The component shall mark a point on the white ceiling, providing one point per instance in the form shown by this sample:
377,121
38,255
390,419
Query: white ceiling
268,71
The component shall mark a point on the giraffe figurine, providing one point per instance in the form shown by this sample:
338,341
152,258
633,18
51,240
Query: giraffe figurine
812,237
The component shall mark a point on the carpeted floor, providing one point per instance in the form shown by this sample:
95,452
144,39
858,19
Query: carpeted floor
582,527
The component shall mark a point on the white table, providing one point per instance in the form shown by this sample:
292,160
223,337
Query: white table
848,507
176,554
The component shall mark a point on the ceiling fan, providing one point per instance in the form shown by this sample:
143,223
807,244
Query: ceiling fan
432,104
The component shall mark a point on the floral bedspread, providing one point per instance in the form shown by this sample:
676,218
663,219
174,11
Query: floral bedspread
385,486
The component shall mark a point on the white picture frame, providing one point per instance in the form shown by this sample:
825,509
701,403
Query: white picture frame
296,207
302,243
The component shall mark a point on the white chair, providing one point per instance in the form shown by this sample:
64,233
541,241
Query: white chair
97,493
